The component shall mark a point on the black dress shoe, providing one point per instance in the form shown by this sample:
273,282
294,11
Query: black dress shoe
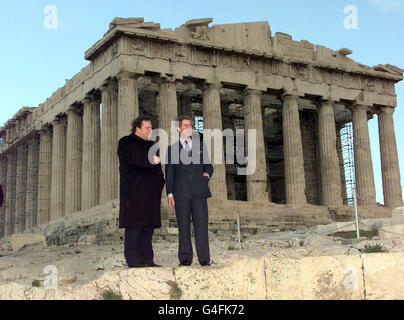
185,263
205,264
139,265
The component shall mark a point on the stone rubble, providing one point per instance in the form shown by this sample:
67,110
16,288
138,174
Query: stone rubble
86,269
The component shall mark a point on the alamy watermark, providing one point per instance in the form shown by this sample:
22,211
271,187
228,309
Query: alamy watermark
351,20
51,20
51,277
233,152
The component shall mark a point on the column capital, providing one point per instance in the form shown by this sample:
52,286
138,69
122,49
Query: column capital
328,99
73,109
46,128
108,84
386,110
211,85
58,121
248,91
291,95
164,78
325,102
88,98
359,106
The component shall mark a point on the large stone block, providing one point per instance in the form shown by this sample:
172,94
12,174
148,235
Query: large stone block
19,241
392,232
146,284
315,278
384,276
243,280
397,216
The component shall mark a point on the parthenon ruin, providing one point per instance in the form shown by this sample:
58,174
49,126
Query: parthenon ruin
59,159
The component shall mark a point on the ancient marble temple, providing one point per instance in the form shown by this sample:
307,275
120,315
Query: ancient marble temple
59,159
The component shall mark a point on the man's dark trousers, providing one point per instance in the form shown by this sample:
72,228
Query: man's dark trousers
138,245
199,209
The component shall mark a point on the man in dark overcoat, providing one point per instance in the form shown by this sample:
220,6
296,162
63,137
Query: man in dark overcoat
141,185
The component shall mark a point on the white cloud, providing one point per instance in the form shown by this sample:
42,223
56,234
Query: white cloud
387,6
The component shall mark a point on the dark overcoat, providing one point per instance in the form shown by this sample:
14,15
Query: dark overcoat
141,184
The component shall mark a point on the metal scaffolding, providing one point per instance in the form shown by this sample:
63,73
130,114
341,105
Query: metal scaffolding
347,150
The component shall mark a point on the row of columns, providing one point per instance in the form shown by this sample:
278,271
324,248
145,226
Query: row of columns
75,165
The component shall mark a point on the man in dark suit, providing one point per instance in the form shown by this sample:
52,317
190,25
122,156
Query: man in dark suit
188,171
141,185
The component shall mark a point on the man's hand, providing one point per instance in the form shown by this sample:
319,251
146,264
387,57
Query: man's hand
156,160
171,203
206,174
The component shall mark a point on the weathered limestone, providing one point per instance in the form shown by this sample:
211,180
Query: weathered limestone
315,278
128,102
329,162
19,241
45,176
90,189
397,216
293,151
109,143
242,280
212,119
365,184
3,182
257,182
74,146
58,169
384,276
32,183
21,188
389,159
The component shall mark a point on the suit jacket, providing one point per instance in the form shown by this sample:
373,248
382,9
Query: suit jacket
186,181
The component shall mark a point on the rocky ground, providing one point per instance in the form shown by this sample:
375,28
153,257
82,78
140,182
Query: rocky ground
83,262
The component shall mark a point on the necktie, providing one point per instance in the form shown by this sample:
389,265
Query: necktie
188,149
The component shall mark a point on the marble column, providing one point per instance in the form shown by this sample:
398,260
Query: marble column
128,102
90,188
167,105
58,169
3,182
256,182
21,188
212,119
389,159
45,176
295,184
329,163
109,143
32,183
365,185
74,148
11,192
